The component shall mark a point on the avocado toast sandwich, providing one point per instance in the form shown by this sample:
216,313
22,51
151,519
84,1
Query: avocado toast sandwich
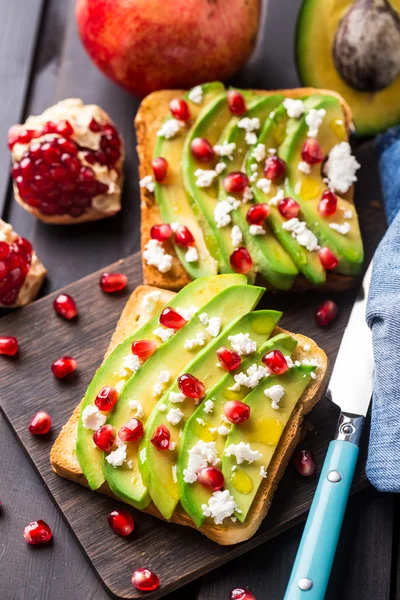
196,409
250,182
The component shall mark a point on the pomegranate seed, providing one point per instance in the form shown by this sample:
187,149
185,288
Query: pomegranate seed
235,182
236,103
211,478
63,366
326,313
65,128
229,359
236,411
94,126
179,109
113,282
143,349
65,306
160,168
24,245
257,214
4,250
121,522
183,236
241,594
304,462
106,398
104,437
241,261
161,438
13,135
191,387
145,580
161,232
328,259
37,532
202,150
131,431
40,423
327,204
8,345
15,261
289,208
312,152
172,319
276,362
275,168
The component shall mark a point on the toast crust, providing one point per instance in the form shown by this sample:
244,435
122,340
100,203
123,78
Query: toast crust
64,462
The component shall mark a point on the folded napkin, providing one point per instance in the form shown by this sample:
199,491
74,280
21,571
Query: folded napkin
383,317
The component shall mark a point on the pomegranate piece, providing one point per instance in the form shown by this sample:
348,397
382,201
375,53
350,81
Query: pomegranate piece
312,152
183,236
37,532
202,150
328,204
211,478
236,412
143,349
121,522
241,594
235,182
327,258
104,437
304,462
113,282
40,423
106,398
161,232
289,208
171,319
131,431
326,312
161,438
145,580
15,262
8,345
241,261
236,103
257,214
179,109
17,134
229,359
275,168
65,306
160,168
191,387
276,362
63,366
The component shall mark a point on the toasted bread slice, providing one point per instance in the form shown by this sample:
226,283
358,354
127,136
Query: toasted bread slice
65,463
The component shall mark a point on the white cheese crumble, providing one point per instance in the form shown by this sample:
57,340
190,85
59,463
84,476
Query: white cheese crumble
208,406
294,108
264,185
174,416
162,407
170,128
214,326
343,229
280,194
205,177
247,195
164,333
306,347
172,446
119,386
137,407
250,125
212,429
314,120
313,375
192,255
196,342
257,230
201,455
174,226
302,234
187,313
131,363
348,214
225,149
275,394
223,209
147,183
259,153
203,318
236,236
272,151
304,167
263,472
242,452
223,430
176,397
150,300
219,167
250,138
129,464
251,378
201,421
196,95
220,506
242,343
155,255
162,378
254,167
92,418
117,457
341,167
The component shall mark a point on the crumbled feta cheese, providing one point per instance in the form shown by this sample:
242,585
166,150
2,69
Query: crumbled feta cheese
313,375
341,167
220,506
208,406
150,300
225,149
253,168
201,421
343,229
348,214
242,343
242,452
201,455
259,153
249,124
271,151
289,361
196,94
263,472
162,407
174,226
147,183
275,394
155,255
192,255
250,379
203,318
137,407
176,397
187,313
172,446
253,178
162,378
257,230
92,418
302,234
214,326
247,195
212,429
294,108
205,177
119,386
170,128
131,363
304,167
117,457
312,362
142,455
264,185
129,464
306,347
223,209
164,333
280,194
219,167
297,363
223,430
196,342
250,138
314,120
174,416
236,236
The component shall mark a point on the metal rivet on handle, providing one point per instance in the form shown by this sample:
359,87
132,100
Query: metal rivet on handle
305,584
334,476
347,428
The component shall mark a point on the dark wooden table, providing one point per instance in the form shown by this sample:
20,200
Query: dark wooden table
41,61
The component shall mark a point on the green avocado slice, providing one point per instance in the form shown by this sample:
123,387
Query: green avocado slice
194,495
200,290
158,467
262,431
169,360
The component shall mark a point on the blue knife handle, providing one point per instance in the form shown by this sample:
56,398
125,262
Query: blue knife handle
312,567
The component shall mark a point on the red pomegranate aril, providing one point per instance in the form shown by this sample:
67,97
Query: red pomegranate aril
160,168
304,462
143,349
235,182
40,423
326,312
236,412
327,258
191,387
241,261
37,532
63,366
65,306
94,126
312,152
171,319
104,437
276,362
24,245
145,580
289,208
328,204
241,594
131,431
4,250
229,359
8,345
4,269
179,109
202,150
257,214
161,232
113,282
183,236
161,438
211,478
106,398
236,103
65,128
275,168
49,127
121,522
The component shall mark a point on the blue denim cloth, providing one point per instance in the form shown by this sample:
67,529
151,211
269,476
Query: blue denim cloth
383,317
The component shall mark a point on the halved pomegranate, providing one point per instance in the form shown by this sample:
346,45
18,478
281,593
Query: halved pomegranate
145,580
236,103
172,319
161,232
275,168
65,306
202,149
113,282
15,262
325,313
327,258
236,411
8,345
104,437
276,362
241,594
229,359
161,438
143,349
106,398
241,261
328,204
63,366
191,387
304,462
121,522
179,109
37,532
183,236
131,431
40,423
257,214
312,152
235,182
289,208
160,168
211,478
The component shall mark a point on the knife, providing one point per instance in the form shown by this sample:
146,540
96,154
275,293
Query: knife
350,387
